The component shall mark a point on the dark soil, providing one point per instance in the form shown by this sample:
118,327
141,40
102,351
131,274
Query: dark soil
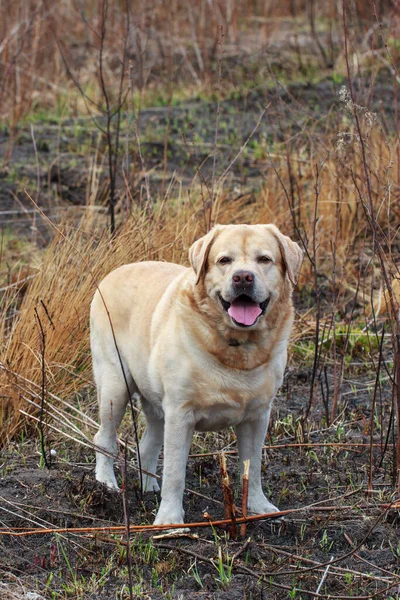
176,144
94,565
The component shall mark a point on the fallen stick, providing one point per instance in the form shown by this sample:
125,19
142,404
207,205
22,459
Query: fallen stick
344,445
143,528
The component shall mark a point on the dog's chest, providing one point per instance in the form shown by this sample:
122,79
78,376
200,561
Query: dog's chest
219,398
212,395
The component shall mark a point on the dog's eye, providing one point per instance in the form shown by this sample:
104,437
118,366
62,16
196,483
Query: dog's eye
224,260
264,259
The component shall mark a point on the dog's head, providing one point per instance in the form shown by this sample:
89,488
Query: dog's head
243,270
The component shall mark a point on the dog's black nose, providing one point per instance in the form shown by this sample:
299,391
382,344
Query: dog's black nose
243,279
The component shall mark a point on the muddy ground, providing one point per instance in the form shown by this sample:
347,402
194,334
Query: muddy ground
359,532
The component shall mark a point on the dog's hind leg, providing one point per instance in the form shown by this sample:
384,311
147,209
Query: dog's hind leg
150,446
113,396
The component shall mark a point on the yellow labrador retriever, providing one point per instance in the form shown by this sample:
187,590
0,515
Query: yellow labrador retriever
205,347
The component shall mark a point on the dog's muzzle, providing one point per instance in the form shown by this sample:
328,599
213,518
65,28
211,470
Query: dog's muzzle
244,311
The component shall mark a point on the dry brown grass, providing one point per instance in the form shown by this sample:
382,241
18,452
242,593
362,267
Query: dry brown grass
332,224
60,294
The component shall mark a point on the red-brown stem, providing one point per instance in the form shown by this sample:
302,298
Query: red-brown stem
316,507
230,509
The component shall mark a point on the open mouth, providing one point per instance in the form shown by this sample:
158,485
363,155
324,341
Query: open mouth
243,310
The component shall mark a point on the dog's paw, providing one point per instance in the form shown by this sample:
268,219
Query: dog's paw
108,478
111,485
168,515
261,506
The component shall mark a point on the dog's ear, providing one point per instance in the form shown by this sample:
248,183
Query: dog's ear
292,254
199,251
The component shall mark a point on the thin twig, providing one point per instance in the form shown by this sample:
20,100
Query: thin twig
221,49
126,519
372,220
321,583
335,569
43,389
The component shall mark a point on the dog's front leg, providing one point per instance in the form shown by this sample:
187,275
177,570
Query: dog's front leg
178,433
250,437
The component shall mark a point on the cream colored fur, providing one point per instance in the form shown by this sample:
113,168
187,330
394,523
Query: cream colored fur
194,367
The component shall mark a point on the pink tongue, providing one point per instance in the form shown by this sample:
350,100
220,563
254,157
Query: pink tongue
244,312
